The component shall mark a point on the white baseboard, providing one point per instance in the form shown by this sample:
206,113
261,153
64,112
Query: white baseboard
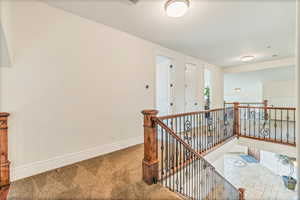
38,167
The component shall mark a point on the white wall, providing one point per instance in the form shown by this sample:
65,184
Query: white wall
217,86
251,90
280,93
275,85
76,88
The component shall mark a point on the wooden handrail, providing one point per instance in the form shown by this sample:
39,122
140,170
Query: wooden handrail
190,113
271,108
245,102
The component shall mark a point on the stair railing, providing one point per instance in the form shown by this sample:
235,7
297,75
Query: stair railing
172,153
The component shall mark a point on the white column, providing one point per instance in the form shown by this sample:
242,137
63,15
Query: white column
298,88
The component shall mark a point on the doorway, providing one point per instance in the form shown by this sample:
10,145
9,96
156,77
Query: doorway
191,101
165,98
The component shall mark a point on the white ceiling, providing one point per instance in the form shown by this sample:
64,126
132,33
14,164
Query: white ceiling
217,31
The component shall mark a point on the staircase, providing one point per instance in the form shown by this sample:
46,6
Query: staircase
174,146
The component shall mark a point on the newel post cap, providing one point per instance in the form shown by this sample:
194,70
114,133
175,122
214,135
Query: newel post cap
4,114
150,112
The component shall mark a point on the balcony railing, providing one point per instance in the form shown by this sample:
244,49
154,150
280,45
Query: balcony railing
264,103
271,124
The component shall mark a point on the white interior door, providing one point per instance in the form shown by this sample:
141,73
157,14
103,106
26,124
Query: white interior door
165,96
191,101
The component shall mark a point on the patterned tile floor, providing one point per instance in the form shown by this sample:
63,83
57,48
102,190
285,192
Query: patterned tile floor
117,175
260,183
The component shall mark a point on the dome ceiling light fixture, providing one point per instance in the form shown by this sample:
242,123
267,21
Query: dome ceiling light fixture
176,8
247,58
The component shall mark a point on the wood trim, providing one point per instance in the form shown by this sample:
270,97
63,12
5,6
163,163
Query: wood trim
245,103
150,161
271,108
4,162
242,194
4,114
4,193
190,113
268,140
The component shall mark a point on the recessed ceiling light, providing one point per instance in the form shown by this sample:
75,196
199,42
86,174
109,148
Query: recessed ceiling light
247,58
176,8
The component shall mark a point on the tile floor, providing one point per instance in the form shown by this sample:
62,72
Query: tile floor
260,183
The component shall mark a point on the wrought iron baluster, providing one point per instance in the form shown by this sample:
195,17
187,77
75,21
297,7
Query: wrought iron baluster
254,123
249,121
294,122
167,157
162,154
287,125
245,122
203,132
275,124
217,127
181,181
194,132
173,161
198,126
281,124
269,118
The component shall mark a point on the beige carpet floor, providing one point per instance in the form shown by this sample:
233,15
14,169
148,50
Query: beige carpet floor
117,175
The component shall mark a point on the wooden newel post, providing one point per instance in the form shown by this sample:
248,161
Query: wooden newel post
236,119
242,193
4,163
265,102
150,161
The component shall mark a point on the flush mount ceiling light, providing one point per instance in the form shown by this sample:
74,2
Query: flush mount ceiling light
247,58
176,8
